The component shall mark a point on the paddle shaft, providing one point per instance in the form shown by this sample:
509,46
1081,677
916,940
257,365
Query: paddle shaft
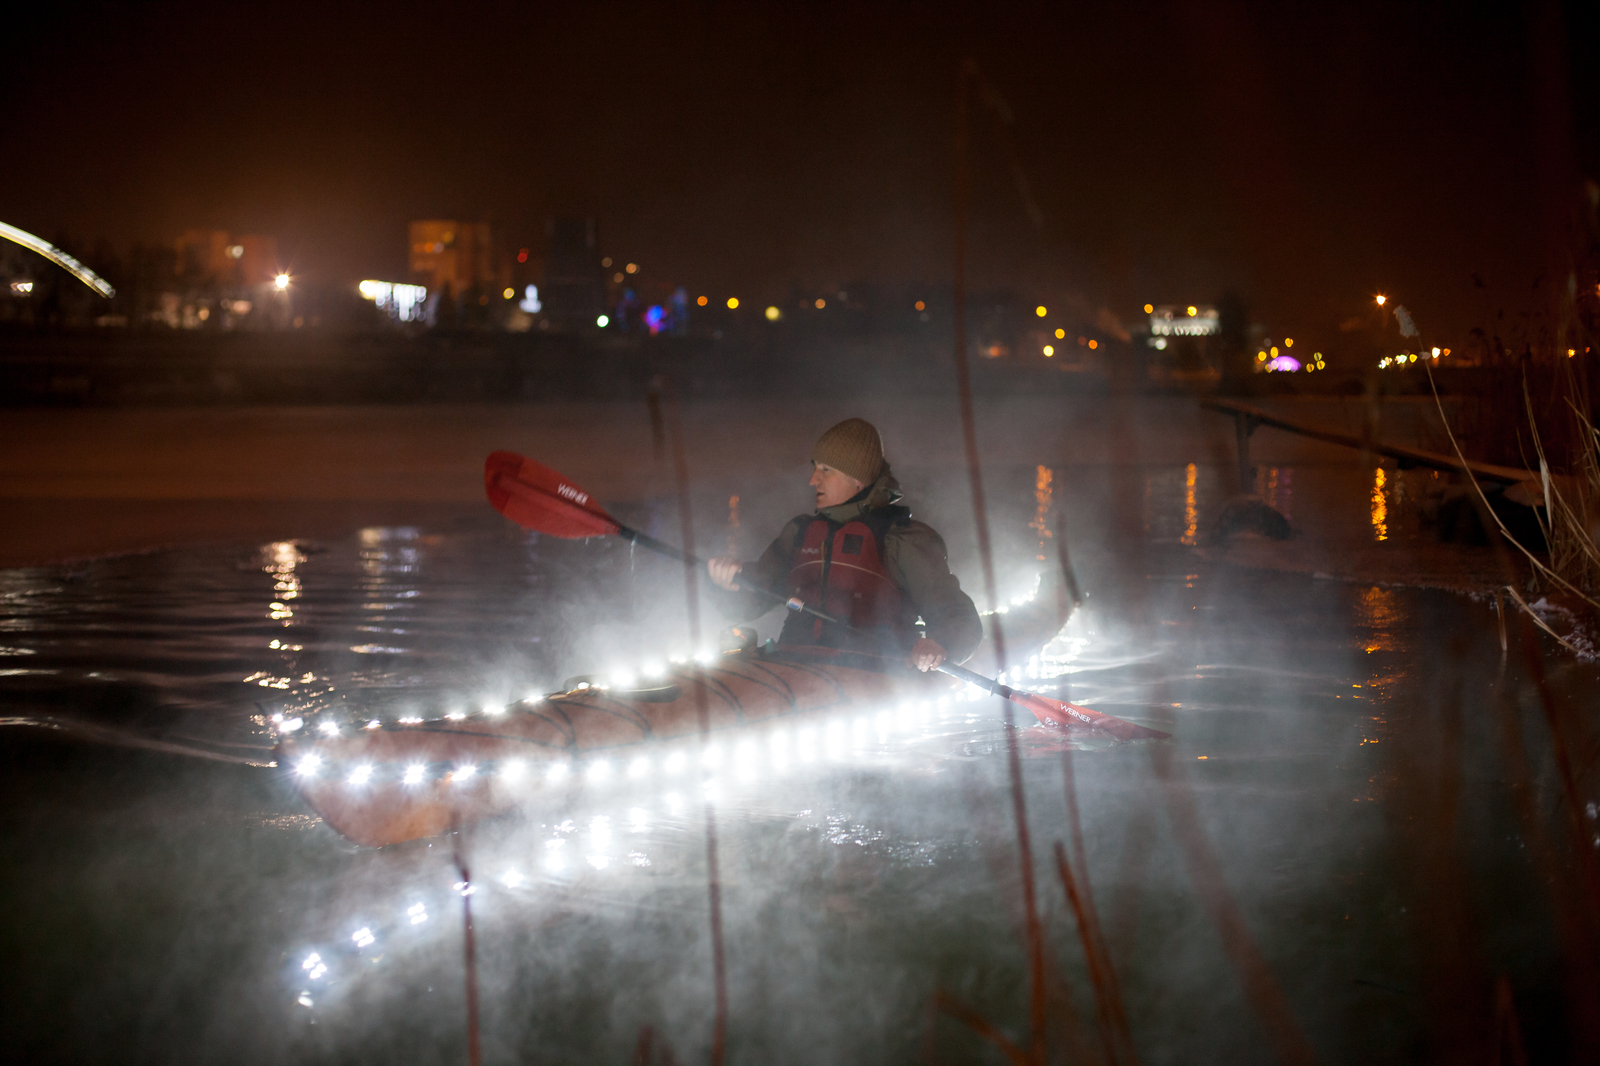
644,540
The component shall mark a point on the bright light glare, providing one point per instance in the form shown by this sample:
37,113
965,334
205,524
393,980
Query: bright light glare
330,727
417,913
463,772
638,817
363,937
674,762
1040,311
639,767
1381,300
599,770
291,725
511,879
281,281
513,769
733,303
413,774
361,774
557,771
603,321
309,766
773,314
1049,350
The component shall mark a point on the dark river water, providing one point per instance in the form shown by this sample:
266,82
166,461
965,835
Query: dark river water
1356,844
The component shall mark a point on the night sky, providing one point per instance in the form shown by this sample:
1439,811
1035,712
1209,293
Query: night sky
1304,158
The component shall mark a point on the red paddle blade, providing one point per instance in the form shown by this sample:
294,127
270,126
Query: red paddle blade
1070,716
536,497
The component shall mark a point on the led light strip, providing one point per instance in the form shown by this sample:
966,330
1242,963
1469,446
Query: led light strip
59,258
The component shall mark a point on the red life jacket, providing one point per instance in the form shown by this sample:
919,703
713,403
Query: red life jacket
839,569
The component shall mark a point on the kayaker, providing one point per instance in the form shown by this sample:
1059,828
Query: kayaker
861,558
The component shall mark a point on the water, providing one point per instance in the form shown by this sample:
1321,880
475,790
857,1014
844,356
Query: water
1345,758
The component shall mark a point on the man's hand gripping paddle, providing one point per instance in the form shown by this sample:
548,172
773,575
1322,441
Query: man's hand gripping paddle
536,497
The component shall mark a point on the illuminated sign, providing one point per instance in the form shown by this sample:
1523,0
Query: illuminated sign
1191,321
400,302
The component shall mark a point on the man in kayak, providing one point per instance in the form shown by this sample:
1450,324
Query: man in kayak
860,558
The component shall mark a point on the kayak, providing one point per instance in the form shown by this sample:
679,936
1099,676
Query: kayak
384,782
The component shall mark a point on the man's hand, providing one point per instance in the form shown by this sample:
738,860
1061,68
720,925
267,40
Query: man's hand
724,572
926,654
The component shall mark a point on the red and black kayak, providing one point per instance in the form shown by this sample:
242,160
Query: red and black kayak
383,782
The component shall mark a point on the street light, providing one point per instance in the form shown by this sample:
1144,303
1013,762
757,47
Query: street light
1381,300
281,281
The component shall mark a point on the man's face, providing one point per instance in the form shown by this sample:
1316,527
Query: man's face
832,486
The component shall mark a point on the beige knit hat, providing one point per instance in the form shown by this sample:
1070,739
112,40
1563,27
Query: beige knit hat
852,447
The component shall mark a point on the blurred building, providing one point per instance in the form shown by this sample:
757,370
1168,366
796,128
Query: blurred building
218,259
453,258
574,286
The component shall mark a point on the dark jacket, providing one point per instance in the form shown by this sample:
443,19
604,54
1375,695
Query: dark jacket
913,555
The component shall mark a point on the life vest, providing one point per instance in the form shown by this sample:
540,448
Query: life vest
839,569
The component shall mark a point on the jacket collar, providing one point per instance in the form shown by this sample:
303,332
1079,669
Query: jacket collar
884,492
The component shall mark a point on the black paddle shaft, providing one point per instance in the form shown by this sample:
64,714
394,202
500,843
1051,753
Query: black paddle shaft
794,603
645,540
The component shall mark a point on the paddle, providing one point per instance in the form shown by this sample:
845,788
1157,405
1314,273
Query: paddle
536,497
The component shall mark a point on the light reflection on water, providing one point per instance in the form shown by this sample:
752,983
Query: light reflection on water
865,857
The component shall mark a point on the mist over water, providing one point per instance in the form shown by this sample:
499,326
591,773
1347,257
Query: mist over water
181,902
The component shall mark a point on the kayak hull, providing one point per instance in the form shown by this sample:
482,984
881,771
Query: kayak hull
390,782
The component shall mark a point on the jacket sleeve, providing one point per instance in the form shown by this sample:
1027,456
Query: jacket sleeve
771,571
915,556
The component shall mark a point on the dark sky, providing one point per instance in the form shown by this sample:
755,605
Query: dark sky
1306,157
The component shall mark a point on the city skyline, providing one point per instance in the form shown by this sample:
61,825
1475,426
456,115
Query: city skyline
1174,154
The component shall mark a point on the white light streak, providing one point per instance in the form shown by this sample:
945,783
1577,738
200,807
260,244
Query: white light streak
463,772
59,258
363,937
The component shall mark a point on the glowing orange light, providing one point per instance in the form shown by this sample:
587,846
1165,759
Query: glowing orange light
921,306
1049,351
632,268
1094,344
1381,300
1288,342
820,304
509,293
1061,334
1193,310
733,302
1040,311
701,301
1149,308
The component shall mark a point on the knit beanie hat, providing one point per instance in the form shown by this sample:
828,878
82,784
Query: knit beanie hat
852,447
